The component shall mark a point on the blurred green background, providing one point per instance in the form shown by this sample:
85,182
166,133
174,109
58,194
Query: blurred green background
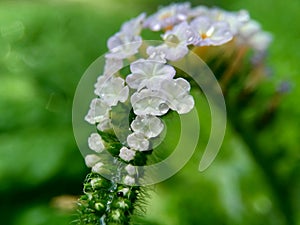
45,47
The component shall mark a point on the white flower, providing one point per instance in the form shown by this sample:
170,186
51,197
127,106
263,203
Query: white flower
168,16
138,141
252,35
95,142
91,160
177,93
130,169
176,42
249,29
183,33
134,26
211,32
149,126
147,73
123,45
260,41
128,180
127,154
112,66
149,102
97,168
98,111
111,90
105,124
199,11
234,19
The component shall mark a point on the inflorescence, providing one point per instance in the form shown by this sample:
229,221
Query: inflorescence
153,87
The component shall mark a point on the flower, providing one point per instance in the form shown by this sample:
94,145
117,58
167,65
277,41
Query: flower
98,111
127,154
91,160
97,168
128,180
234,19
130,169
183,33
123,45
149,102
211,32
168,16
260,41
138,141
105,124
176,42
177,95
111,90
199,11
252,35
149,126
95,142
112,66
134,26
147,73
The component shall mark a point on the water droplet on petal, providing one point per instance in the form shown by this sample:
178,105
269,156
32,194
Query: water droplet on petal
163,108
172,40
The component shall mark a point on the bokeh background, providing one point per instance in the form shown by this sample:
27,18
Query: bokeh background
45,47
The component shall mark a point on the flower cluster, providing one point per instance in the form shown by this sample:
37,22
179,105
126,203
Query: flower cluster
202,26
139,85
153,87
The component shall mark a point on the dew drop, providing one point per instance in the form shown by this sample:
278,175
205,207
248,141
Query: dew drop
172,40
163,108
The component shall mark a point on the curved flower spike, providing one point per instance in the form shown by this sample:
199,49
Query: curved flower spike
148,73
153,93
211,32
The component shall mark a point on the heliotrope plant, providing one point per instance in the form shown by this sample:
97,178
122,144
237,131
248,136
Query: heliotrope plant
152,88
